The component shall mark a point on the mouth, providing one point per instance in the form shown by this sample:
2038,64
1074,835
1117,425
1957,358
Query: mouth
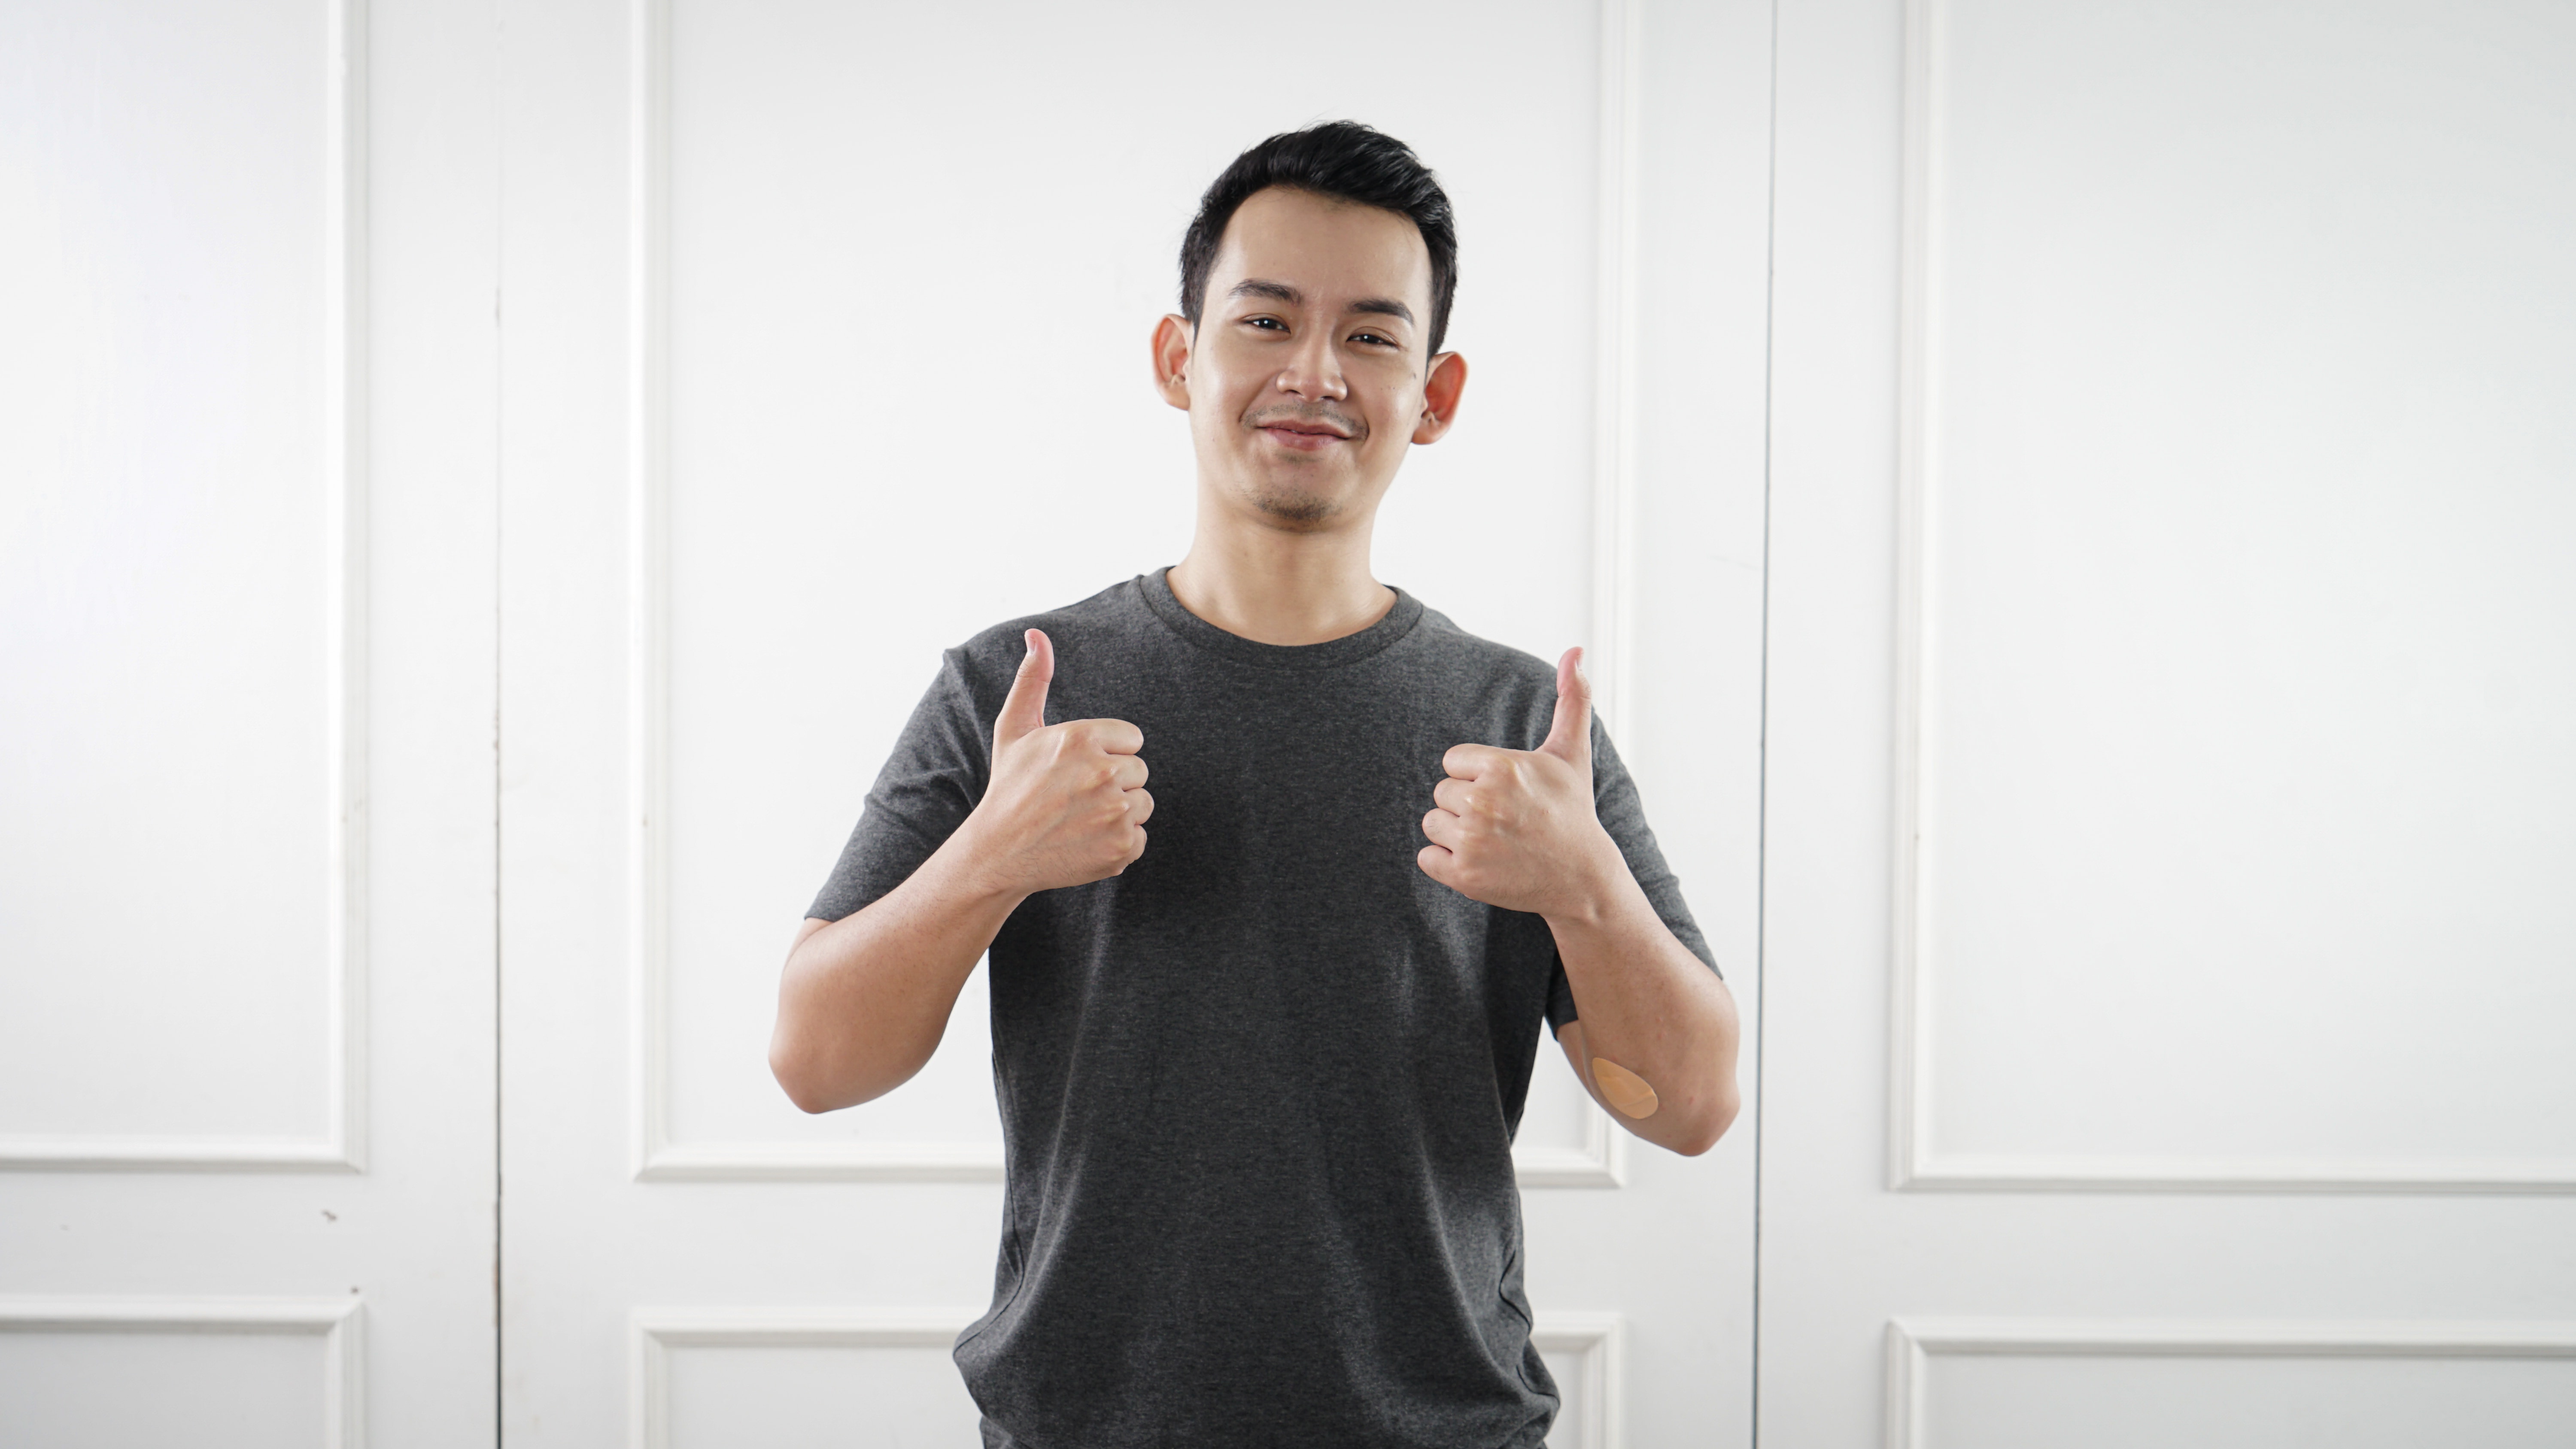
1304,435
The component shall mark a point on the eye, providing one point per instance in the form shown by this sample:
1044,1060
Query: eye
1373,338
1271,323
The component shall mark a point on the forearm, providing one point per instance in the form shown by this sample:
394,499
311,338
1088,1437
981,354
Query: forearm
864,1000
1646,1003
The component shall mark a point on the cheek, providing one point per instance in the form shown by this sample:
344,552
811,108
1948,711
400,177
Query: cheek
1217,403
1393,410
1226,389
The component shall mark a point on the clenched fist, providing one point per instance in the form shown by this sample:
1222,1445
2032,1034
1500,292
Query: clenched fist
1067,803
1516,828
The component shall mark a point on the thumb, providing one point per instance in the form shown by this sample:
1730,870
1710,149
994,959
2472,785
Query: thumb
1024,711
1569,736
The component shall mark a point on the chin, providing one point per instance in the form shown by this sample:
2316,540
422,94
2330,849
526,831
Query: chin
1299,501
1301,511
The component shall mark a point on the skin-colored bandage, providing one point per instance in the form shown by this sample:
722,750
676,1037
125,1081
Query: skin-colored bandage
1624,1089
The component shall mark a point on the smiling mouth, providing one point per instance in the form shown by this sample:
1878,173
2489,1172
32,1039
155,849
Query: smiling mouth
1305,435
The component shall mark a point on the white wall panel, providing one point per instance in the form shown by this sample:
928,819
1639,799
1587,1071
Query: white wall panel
877,1377
789,284
2215,429
217,1390
834,396
810,1397
179,621
803,1376
106,1373
1586,1354
2219,1386
222,550
2238,662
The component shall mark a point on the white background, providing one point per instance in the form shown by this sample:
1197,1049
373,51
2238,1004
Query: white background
2068,501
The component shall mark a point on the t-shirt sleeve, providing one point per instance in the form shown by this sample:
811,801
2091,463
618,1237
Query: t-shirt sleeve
929,785
1614,799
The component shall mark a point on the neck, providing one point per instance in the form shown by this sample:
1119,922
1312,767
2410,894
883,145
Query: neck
1275,586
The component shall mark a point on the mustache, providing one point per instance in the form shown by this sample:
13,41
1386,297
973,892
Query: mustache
1323,418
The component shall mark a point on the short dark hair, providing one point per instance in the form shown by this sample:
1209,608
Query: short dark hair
1348,162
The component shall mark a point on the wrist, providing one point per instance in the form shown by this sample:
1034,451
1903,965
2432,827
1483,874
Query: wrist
978,868
1595,880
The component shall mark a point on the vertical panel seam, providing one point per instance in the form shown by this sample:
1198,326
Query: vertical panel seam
1762,738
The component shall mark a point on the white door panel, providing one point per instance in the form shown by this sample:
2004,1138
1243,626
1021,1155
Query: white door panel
830,352
2168,675
246,684
186,580
2230,1385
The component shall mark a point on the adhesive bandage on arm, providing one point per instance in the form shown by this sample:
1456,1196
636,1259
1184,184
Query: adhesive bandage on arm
1624,1089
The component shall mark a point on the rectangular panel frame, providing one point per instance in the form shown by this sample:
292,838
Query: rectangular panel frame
1914,1163
1601,1160
1912,1344
342,1146
338,1322
1598,1338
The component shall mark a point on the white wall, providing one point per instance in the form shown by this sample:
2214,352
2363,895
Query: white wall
2167,800
2075,526
246,725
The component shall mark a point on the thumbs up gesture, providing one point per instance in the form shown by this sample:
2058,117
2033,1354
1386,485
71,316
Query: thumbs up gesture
1067,802
1516,828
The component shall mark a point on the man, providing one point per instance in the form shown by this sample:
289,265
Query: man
1259,1078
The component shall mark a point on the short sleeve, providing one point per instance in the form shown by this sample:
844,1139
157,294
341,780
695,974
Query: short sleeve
929,785
1614,800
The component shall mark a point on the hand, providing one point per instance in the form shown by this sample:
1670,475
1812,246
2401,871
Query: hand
1516,828
1067,803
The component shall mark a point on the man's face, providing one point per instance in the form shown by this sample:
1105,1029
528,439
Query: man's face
1306,377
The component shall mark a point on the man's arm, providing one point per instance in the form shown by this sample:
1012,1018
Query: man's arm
864,1000
1656,1037
1658,1032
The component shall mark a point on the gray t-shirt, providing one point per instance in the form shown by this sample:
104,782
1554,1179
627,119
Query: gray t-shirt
1258,1092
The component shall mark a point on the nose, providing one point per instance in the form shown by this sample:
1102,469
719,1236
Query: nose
1314,369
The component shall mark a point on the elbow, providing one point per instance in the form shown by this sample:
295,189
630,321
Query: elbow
797,1081
1712,1124
820,1081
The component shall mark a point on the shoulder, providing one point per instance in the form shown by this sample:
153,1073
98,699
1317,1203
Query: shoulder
1105,623
1512,690
1449,647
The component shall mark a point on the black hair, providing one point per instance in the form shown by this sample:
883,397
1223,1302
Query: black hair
1348,162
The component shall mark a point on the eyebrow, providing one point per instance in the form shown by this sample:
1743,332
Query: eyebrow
1282,292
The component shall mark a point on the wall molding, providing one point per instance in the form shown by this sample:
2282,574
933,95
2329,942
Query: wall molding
1912,1344
1614,415
1601,1160
653,1332
823,1162
2036,1172
1914,1161
338,1322
1599,1338
342,1145
648,586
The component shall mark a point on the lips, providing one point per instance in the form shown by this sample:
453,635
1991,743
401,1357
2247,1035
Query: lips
1302,440
1306,434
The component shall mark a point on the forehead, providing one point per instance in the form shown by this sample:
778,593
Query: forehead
1323,246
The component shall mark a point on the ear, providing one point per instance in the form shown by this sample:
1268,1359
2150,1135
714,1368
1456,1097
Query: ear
1440,394
1172,337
